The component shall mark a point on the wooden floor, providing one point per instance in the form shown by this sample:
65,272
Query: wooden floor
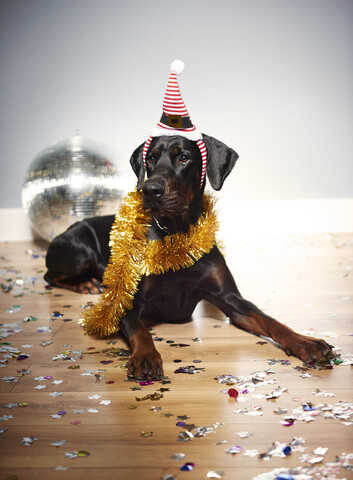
67,411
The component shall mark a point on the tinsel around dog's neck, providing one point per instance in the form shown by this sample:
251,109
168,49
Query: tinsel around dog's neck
133,256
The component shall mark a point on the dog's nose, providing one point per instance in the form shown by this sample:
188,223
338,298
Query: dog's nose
153,189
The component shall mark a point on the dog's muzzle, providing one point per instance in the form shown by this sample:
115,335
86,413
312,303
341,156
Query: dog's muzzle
152,190
160,202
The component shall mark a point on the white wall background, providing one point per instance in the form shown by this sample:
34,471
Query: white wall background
271,78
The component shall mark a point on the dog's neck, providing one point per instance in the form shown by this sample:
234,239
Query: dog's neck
164,226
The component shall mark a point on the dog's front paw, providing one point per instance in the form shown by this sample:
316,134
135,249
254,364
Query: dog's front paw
308,349
145,365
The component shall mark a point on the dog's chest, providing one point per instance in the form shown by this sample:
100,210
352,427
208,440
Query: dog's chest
173,294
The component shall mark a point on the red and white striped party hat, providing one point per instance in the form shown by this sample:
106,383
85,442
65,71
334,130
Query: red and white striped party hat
175,119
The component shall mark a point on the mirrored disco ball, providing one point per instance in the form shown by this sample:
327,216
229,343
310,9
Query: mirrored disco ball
69,181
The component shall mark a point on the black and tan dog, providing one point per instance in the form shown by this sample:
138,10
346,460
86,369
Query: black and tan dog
172,194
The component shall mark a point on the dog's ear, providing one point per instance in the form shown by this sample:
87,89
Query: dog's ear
220,161
138,167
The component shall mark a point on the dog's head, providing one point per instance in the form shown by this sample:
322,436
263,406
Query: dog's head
173,166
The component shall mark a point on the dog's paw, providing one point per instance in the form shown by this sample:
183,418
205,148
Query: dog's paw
92,286
308,349
145,365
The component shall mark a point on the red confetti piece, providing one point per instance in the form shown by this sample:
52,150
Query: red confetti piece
233,393
75,422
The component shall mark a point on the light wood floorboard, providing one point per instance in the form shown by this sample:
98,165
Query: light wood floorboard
305,282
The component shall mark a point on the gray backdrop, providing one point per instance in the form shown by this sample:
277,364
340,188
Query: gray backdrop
271,78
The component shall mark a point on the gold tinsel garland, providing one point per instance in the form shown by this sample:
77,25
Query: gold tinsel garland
134,256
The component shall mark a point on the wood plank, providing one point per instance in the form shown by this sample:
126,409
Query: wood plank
305,282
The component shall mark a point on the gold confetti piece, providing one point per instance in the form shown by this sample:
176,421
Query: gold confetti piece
82,453
73,367
146,434
151,396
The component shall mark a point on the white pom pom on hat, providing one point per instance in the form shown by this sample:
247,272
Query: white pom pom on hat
177,66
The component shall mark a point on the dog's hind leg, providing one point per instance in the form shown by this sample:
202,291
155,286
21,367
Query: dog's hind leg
74,266
77,258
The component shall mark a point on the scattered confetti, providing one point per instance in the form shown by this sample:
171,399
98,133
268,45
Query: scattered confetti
71,455
252,411
191,369
154,409
75,454
272,361
178,456
275,394
4,418
58,443
214,474
14,309
234,450
148,382
31,318
241,388
83,453
287,422
251,453
151,396
44,329
27,441
233,393
322,393
245,434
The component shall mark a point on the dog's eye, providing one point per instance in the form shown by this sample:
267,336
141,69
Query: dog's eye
184,159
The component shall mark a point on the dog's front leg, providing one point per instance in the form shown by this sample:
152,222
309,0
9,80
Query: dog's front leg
223,292
250,318
145,361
